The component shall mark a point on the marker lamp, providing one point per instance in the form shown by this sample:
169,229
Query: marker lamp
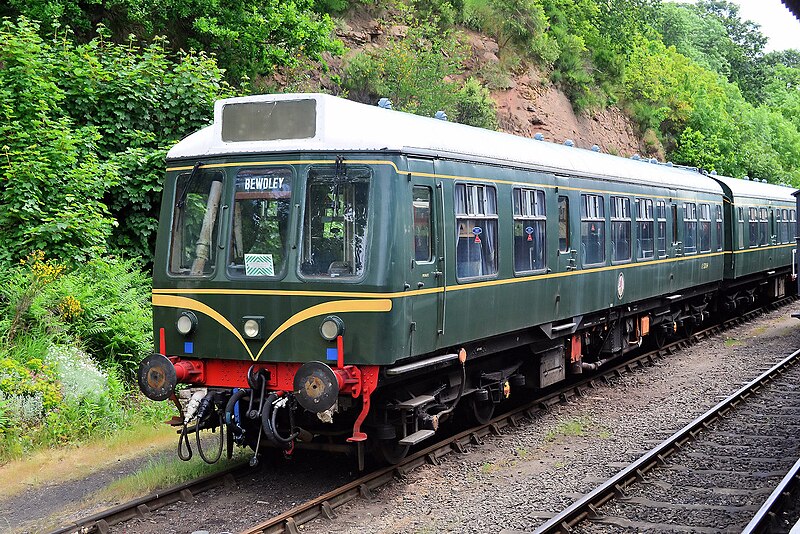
253,327
186,323
331,328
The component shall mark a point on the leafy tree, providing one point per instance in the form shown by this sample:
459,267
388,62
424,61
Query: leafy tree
744,48
249,37
84,130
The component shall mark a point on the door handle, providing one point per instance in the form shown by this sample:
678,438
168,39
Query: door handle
420,285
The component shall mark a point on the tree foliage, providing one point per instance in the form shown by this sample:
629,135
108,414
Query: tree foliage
85,128
249,37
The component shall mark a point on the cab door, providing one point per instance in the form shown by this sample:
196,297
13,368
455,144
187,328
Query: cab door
567,243
426,272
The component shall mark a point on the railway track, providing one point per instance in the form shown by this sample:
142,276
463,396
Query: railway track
363,487
712,475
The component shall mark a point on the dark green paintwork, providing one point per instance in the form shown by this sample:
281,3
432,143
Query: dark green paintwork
465,311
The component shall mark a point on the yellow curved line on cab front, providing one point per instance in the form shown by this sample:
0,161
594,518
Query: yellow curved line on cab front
195,305
336,306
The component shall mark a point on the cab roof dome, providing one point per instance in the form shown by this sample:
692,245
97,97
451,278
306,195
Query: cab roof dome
347,126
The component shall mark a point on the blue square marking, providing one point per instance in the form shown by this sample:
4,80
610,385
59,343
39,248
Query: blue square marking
331,355
188,347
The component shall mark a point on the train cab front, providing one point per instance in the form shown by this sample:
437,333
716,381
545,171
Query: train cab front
266,317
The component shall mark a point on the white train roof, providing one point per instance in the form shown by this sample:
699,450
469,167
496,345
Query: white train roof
755,189
343,125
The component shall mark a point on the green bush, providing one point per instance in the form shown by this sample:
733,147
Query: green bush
85,129
474,106
411,72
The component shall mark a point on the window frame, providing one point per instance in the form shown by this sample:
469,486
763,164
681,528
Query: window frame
620,203
660,215
472,198
704,219
279,274
720,227
368,227
214,247
689,219
599,206
529,199
763,227
752,225
642,218
431,238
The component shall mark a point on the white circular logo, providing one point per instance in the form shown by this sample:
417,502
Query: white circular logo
620,285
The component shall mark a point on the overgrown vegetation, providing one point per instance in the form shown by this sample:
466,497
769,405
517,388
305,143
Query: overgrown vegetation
71,339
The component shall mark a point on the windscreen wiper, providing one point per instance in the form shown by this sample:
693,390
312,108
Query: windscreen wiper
182,200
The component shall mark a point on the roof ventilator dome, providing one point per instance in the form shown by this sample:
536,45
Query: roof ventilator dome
569,142
636,157
385,103
441,115
595,148
539,136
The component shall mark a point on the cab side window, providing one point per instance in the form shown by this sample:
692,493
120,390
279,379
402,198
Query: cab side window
421,212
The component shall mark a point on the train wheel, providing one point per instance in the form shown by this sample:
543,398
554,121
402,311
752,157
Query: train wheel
482,411
660,337
391,451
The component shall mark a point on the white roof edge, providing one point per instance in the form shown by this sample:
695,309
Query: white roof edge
753,189
343,125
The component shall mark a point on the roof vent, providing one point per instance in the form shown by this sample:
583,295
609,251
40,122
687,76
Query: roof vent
669,164
385,103
569,142
539,136
713,173
745,177
653,160
595,148
441,115
636,157
763,180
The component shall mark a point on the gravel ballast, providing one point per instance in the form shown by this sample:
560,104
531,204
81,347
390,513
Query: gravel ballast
518,480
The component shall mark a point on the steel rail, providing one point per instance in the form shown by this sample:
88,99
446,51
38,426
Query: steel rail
587,506
101,521
324,505
764,520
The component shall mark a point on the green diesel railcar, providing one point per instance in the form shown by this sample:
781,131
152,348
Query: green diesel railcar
326,268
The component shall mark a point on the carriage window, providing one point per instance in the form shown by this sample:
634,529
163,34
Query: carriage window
689,227
705,228
529,230
593,237
476,230
259,239
740,233
675,224
785,226
335,223
720,235
644,222
661,215
563,224
620,229
753,224
195,222
421,206
763,227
